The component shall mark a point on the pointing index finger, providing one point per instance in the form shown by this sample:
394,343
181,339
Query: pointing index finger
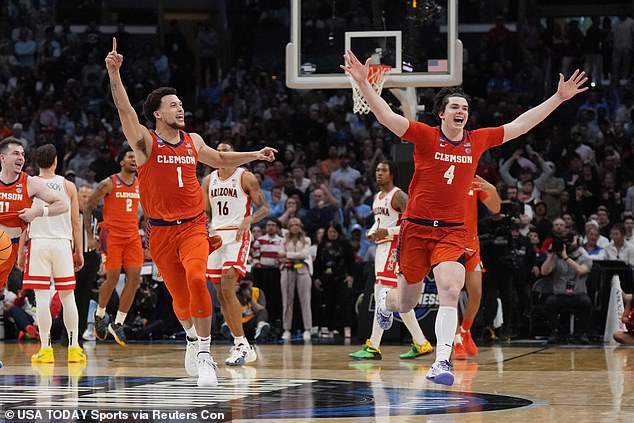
114,44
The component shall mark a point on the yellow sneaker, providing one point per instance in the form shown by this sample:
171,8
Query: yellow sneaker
76,355
44,355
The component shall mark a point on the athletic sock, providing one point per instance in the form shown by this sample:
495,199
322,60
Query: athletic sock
101,311
120,318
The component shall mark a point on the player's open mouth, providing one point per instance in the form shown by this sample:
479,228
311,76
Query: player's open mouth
458,120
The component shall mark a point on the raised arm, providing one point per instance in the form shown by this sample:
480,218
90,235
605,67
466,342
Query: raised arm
384,114
217,159
137,135
103,188
252,188
531,118
55,204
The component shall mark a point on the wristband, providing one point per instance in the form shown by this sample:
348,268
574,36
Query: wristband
44,211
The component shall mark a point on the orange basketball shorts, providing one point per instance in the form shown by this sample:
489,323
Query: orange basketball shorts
473,261
421,247
180,253
121,252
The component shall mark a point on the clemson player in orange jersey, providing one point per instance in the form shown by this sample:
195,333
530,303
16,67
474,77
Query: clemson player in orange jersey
433,235
486,193
173,203
120,241
17,191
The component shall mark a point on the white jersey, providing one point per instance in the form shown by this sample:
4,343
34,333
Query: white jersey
53,227
385,216
229,203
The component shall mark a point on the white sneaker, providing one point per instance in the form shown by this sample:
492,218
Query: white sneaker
206,370
240,355
191,365
89,335
306,335
286,336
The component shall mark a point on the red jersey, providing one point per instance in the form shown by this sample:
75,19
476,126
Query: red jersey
120,208
471,217
13,198
444,169
168,184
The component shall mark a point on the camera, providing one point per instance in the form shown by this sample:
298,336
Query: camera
558,245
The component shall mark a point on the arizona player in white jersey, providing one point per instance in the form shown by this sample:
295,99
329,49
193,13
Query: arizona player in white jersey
387,207
229,192
50,255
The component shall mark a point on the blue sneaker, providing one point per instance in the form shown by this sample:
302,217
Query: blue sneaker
440,372
383,317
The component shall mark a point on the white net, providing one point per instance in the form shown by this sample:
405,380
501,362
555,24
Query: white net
376,78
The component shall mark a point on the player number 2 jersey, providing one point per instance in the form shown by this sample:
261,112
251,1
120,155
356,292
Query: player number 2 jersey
13,198
229,202
120,208
385,216
444,169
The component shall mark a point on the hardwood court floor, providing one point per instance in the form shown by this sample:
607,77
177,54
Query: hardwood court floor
304,382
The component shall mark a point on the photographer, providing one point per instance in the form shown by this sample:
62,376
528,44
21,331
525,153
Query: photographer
254,314
568,267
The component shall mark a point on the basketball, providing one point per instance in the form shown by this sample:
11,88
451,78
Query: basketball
5,246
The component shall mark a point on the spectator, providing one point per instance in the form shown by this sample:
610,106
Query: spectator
595,252
333,265
296,273
266,272
628,224
568,267
603,219
322,212
618,248
276,200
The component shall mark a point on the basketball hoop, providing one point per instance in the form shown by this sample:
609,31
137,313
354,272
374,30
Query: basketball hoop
376,78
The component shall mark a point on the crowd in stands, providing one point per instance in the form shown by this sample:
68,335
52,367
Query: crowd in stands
571,178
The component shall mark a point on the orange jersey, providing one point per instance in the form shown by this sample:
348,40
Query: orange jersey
471,217
444,169
13,198
167,180
120,208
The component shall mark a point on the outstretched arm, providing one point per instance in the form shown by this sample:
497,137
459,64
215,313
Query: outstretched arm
37,188
531,118
217,159
138,136
359,72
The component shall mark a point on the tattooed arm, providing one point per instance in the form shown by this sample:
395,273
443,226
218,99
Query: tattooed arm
137,135
252,188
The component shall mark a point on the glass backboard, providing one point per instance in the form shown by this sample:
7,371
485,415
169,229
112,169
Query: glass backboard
417,38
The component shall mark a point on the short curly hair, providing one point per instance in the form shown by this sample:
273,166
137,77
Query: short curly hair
153,101
442,98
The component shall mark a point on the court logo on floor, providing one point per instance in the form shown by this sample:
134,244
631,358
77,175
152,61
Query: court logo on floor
242,397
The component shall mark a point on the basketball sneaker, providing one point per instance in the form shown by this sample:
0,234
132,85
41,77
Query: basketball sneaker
240,355
459,352
383,317
306,335
44,355
417,350
467,341
367,352
262,332
101,326
191,365
117,330
206,370
440,372
76,355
